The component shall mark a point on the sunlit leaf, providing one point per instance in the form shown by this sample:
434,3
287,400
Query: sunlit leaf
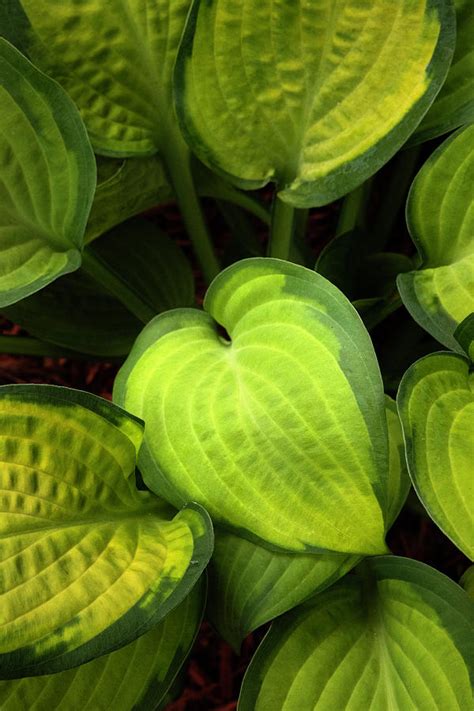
88,563
76,313
397,635
292,405
440,215
136,676
436,404
47,179
454,105
314,96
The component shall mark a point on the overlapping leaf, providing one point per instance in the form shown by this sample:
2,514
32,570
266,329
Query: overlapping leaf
314,96
436,404
440,215
250,585
47,179
467,581
76,313
454,105
136,676
88,563
398,635
114,58
292,405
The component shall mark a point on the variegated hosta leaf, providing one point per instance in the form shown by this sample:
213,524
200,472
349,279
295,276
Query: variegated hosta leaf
115,59
292,405
250,585
467,581
124,189
136,676
440,215
88,563
314,96
436,405
76,313
454,105
397,635
47,179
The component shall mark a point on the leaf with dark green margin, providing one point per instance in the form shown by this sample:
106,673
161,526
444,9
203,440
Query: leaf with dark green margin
454,105
250,585
47,179
292,405
440,216
467,581
316,96
436,405
397,635
88,563
124,189
464,335
115,59
76,313
136,676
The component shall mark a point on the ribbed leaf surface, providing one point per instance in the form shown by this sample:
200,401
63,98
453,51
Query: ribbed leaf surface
136,676
250,585
454,105
47,179
115,59
314,96
398,635
88,562
436,404
292,405
76,313
440,215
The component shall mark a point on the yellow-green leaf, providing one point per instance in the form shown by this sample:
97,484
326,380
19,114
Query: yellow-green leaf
314,96
88,563
47,179
440,215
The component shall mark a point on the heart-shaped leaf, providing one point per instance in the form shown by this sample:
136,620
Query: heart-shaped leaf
440,214
88,563
47,179
436,405
314,96
114,59
250,585
136,676
454,105
398,635
293,405
76,313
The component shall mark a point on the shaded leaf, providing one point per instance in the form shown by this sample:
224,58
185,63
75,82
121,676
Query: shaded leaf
398,635
88,562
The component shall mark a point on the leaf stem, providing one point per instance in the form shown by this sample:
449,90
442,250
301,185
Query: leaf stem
97,269
282,229
178,162
352,213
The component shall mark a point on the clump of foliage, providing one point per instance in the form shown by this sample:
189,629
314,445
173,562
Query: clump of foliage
253,456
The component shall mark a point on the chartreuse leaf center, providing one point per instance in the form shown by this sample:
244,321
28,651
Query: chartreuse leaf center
273,429
88,562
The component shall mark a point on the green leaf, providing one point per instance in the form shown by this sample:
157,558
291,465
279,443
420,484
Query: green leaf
436,405
464,335
398,635
440,215
136,676
114,59
314,96
47,180
76,313
125,188
454,105
88,562
467,581
250,585
293,404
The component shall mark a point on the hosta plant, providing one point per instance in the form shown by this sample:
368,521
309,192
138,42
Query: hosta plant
291,403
